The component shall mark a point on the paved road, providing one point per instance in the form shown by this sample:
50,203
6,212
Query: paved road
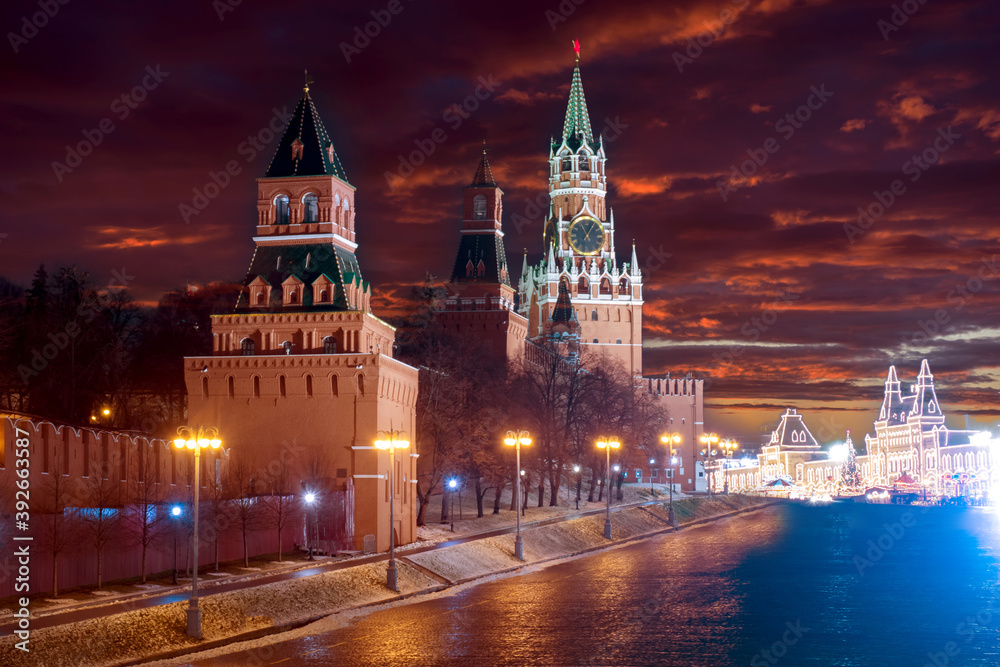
615,607
92,610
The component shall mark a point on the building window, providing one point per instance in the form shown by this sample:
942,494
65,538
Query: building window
619,341
595,340
593,315
361,385
247,347
479,207
309,386
232,386
204,387
281,386
605,286
567,164
293,297
311,205
322,296
256,386
333,386
260,299
281,210
623,286
329,345
287,346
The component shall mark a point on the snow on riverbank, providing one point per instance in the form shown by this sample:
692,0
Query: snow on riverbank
129,636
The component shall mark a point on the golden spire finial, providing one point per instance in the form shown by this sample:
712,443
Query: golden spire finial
309,80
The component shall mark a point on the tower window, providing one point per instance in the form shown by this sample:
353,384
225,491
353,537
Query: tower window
293,297
593,316
287,346
322,296
232,386
479,207
282,391
309,385
260,299
330,347
281,210
256,386
204,387
311,205
333,385
619,341
567,164
247,347
583,287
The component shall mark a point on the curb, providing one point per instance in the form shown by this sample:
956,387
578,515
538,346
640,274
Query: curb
292,625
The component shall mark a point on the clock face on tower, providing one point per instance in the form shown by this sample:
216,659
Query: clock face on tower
586,235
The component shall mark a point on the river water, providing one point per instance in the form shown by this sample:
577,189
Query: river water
833,585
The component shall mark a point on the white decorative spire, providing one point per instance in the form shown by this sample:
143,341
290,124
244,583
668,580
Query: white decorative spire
635,261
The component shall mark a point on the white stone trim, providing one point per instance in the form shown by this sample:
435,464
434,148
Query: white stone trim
362,447
368,476
498,232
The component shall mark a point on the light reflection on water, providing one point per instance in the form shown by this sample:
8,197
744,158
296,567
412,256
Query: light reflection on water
852,585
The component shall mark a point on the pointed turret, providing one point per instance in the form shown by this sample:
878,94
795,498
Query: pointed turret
305,149
634,266
577,121
484,175
892,410
925,403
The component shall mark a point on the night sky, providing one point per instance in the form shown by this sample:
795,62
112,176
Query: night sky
765,281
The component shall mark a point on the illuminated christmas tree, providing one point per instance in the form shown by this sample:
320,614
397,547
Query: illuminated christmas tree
850,473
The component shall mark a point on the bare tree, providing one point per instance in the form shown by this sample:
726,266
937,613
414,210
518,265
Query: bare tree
241,495
145,495
281,507
101,518
59,531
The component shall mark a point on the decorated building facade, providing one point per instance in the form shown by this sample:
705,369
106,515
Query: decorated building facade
302,373
911,443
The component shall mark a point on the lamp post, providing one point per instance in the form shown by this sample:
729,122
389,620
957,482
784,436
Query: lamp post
709,439
607,444
196,440
579,483
392,440
175,512
515,439
652,462
452,485
310,499
728,446
671,439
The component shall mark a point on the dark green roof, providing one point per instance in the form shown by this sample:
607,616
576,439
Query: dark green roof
306,262
317,157
563,310
484,175
487,248
577,118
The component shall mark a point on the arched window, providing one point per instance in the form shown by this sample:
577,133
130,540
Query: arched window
361,385
593,315
282,391
204,387
567,164
281,210
311,208
247,347
293,297
584,163
231,386
287,346
260,299
256,386
309,386
479,207
623,286
333,385
605,286
322,296
330,347
583,287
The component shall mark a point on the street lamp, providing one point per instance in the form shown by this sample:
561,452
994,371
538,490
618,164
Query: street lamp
671,439
196,440
175,512
652,462
310,499
515,439
391,440
708,440
728,446
452,485
607,444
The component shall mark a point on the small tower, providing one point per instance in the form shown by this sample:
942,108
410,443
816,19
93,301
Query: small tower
480,299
